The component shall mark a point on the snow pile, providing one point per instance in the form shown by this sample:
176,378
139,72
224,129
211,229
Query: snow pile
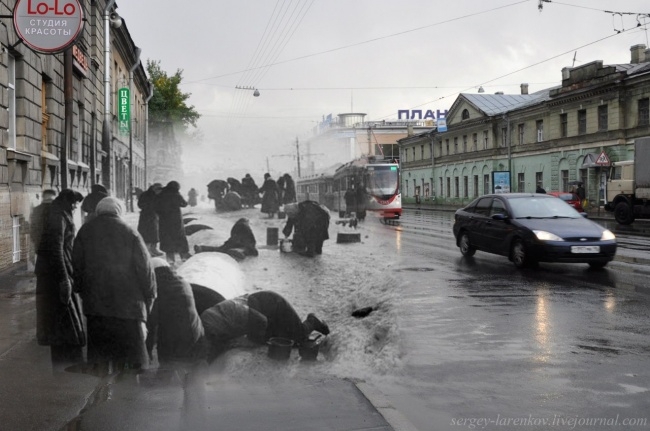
217,271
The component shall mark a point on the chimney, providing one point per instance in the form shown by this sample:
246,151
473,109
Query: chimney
647,55
524,88
638,55
499,92
566,73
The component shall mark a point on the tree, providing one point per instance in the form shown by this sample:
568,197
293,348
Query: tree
168,103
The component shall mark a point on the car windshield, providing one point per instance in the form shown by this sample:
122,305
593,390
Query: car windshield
534,207
566,197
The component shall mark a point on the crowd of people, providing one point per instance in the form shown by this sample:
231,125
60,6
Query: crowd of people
105,290
232,194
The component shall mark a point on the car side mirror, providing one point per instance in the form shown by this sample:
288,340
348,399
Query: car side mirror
502,217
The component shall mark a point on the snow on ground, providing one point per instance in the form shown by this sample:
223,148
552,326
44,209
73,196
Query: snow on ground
345,277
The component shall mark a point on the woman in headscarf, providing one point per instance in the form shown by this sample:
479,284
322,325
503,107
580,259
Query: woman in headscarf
59,321
114,277
289,194
172,230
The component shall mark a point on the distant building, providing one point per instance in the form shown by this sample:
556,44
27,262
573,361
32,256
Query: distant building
550,138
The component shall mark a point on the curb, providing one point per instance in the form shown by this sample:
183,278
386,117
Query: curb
396,420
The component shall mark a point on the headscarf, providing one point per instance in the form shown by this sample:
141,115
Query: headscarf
173,185
157,262
109,205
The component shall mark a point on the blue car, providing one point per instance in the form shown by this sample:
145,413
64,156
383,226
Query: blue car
532,228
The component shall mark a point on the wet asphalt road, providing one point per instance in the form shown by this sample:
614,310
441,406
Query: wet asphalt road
488,346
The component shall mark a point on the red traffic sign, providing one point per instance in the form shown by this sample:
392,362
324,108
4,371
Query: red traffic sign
48,26
602,159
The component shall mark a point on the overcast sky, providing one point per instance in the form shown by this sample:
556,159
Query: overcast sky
311,58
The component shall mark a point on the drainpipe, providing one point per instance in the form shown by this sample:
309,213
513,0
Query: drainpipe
135,65
68,114
107,125
146,131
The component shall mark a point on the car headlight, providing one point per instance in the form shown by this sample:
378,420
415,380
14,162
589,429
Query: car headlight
542,235
607,235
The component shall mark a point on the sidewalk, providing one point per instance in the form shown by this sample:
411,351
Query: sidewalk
33,397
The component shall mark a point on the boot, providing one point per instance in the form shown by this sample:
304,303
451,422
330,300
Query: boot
313,323
171,257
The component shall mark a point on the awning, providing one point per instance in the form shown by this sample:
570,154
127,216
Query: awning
590,161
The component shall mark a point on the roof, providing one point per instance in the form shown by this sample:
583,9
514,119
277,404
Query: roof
495,104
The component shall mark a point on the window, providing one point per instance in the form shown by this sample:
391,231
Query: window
16,234
465,186
497,208
448,187
475,186
475,141
539,125
602,118
456,187
11,103
504,136
582,122
413,153
564,180
564,126
464,143
521,182
45,117
644,112
520,134
447,142
485,140
539,180
486,184
465,115
441,187
422,152
455,145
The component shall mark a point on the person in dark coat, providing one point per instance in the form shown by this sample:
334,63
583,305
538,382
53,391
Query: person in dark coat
250,191
280,183
191,197
270,197
540,189
148,220
289,193
350,201
97,193
362,199
114,277
234,185
172,230
174,327
59,321
242,241
259,316
310,222
37,220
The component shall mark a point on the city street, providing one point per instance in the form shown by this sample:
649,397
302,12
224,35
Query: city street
451,343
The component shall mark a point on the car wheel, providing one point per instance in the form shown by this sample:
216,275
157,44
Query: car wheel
597,265
466,248
519,254
623,213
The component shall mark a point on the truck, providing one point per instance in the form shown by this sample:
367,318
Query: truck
628,185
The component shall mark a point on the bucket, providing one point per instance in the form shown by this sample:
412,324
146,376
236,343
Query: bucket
309,350
272,236
279,348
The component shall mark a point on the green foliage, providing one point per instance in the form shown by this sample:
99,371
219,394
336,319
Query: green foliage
168,103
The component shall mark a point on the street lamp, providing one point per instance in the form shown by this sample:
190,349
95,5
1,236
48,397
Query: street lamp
256,92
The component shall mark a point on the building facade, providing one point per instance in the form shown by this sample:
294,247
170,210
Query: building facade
553,138
52,121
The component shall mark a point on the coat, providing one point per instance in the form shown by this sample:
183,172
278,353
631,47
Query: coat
172,229
271,197
113,273
289,195
311,224
97,193
174,325
148,220
55,302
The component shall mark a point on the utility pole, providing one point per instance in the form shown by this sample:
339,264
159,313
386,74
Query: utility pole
298,155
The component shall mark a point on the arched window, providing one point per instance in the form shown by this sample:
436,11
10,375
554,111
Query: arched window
465,114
